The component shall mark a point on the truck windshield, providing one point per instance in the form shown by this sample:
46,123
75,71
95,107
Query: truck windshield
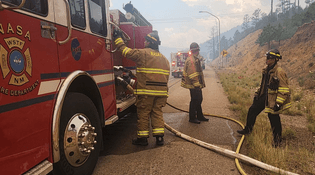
77,13
97,17
39,7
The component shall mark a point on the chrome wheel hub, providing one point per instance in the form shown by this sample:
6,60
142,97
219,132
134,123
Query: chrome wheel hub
79,139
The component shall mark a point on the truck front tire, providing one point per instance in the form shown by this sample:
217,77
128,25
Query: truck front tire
80,136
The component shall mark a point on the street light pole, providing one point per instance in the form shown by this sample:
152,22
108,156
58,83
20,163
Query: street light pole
219,34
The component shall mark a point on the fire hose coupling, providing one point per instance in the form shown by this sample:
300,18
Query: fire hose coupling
132,82
124,70
118,68
125,84
126,80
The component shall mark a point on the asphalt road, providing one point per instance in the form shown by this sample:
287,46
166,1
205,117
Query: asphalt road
176,156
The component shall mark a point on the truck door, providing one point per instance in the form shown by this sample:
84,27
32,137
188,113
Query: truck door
85,48
29,63
73,46
100,59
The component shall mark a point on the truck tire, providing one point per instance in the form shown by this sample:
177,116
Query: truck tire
80,136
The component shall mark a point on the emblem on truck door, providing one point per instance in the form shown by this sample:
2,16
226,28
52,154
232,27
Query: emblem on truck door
15,59
19,60
76,49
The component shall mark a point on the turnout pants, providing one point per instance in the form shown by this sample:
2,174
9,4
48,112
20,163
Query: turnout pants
195,103
255,110
150,108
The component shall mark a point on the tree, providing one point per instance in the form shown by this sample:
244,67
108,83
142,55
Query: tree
212,43
256,16
267,35
263,22
278,32
246,21
224,43
308,2
237,36
271,7
211,55
230,42
298,6
310,14
285,6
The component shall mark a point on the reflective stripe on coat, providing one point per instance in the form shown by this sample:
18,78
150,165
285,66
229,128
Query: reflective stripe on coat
281,96
153,69
192,74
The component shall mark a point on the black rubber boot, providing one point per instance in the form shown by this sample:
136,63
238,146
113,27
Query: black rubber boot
159,140
194,120
140,141
203,119
244,131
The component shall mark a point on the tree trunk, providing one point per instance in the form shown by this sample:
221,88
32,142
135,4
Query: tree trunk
271,7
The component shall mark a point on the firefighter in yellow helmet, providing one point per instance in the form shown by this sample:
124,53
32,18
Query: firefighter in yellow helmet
153,71
193,80
273,96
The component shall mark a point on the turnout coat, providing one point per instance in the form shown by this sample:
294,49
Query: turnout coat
153,69
192,74
280,94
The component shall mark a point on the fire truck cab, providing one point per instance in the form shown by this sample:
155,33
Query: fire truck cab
61,82
178,61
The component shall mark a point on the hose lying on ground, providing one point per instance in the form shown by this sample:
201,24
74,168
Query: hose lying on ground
227,152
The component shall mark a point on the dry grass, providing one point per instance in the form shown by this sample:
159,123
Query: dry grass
295,158
247,58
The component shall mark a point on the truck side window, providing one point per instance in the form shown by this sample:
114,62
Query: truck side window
97,17
77,13
39,7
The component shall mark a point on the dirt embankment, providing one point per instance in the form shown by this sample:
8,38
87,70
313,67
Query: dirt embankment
298,55
298,59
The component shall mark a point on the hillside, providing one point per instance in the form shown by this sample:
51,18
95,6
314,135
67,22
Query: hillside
248,58
298,55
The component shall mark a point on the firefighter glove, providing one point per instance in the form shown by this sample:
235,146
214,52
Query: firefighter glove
276,107
117,34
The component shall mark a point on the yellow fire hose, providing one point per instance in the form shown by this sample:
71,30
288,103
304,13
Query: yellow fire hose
227,152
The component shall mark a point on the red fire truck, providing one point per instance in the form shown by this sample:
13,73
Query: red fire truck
61,81
178,61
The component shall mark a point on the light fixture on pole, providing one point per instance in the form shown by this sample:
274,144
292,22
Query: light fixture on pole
219,33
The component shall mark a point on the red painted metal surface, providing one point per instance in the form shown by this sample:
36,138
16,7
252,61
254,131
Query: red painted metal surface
32,67
141,32
129,29
25,116
137,37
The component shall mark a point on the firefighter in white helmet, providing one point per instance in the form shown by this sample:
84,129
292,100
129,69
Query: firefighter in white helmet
153,71
193,80
273,96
